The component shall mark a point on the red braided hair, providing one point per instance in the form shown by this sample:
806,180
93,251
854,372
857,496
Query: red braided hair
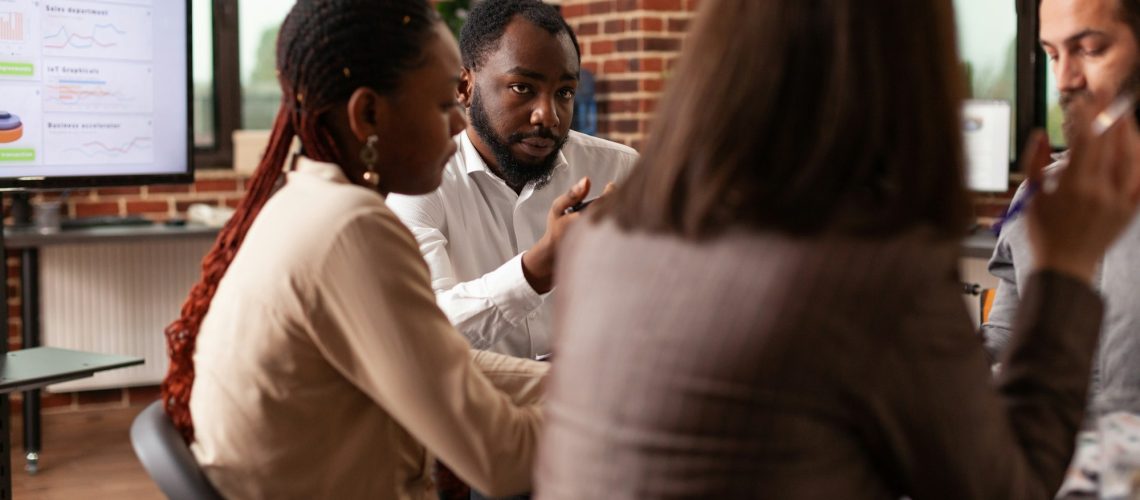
326,50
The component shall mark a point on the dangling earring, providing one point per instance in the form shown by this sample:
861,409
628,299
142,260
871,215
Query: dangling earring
369,155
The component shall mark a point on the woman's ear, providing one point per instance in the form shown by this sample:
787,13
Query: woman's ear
466,88
367,112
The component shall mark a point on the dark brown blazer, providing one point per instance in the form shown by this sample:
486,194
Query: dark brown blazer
764,366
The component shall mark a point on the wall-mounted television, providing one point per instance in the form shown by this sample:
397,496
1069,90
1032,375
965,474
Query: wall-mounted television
94,93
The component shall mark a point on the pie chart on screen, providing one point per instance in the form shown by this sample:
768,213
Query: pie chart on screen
11,129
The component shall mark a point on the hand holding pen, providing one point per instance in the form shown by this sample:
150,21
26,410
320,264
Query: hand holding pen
1073,221
1119,108
580,206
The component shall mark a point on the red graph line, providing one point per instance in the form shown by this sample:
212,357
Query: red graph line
66,93
71,37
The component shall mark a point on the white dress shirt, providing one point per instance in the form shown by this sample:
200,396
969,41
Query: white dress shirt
473,230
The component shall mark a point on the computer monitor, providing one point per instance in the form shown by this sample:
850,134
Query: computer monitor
94,93
985,131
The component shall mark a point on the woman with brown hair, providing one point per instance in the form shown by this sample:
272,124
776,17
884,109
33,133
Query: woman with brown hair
311,361
769,307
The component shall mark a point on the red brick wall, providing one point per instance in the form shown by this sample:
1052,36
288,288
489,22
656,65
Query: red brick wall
630,46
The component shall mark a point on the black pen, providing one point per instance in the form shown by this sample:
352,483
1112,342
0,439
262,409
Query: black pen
580,206
1101,123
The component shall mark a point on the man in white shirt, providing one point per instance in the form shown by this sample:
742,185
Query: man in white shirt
490,233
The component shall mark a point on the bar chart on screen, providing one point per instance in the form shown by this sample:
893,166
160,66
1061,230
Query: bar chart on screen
18,51
12,26
98,86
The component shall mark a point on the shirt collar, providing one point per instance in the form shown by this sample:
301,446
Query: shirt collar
319,169
473,161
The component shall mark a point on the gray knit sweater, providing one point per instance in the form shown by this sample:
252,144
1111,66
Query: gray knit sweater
1116,371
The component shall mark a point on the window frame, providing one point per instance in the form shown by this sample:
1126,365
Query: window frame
1032,96
226,85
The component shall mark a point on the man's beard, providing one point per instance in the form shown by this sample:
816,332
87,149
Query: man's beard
1130,84
513,171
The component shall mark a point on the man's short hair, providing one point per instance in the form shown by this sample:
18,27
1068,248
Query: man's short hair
1130,14
1129,11
487,22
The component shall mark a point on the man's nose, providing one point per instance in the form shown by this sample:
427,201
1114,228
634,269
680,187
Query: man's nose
1069,73
545,113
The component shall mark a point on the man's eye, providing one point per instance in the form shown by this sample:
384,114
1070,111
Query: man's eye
1092,51
566,93
520,89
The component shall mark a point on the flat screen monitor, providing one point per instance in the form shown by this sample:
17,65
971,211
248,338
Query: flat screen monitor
985,130
94,93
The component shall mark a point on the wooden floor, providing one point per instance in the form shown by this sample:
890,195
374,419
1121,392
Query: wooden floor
85,455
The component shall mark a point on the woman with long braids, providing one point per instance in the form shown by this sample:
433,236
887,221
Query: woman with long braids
310,360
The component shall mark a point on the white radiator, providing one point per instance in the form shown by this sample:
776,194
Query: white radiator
116,298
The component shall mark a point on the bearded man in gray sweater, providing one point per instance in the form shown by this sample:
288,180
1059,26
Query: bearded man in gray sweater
1093,47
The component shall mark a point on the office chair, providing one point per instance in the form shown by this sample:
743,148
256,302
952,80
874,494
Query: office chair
986,303
166,457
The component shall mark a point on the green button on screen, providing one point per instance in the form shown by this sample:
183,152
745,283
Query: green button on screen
17,155
16,69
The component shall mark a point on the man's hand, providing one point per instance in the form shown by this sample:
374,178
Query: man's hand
1095,198
538,262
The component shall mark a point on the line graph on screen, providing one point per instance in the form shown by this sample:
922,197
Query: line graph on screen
93,149
109,31
100,35
85,140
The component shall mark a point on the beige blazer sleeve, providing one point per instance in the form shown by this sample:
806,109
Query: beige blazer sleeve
519,378
377,322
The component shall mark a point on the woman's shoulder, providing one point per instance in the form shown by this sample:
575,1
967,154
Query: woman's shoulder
317,216
919,245
761,259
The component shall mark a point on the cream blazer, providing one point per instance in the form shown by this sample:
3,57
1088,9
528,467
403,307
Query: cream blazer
326,370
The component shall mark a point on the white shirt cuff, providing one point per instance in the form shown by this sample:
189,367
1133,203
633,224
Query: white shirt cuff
511,293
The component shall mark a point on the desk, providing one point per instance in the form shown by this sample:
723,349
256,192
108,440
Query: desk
38,367
28,241
28,237
979,245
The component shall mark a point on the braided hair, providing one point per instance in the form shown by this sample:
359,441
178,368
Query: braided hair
326,50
